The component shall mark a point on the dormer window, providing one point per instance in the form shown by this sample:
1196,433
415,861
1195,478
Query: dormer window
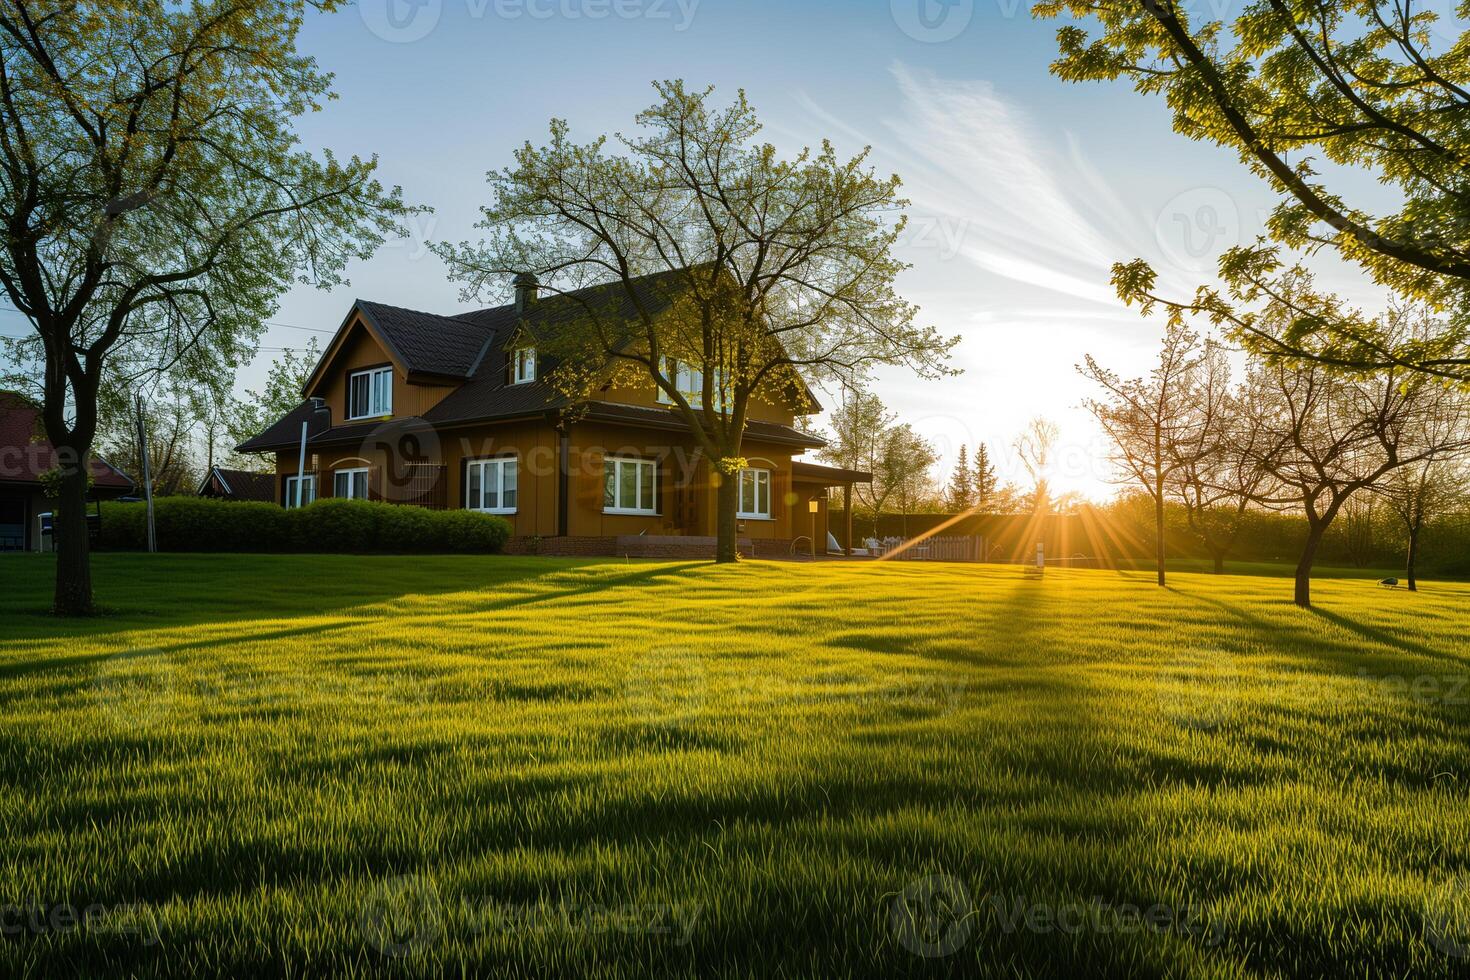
370,393
689,381
523,365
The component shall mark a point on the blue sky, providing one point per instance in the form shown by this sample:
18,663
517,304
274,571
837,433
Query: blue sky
1025,189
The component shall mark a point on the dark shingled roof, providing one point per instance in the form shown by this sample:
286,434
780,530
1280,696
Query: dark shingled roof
427,343
243,484
473,346
26,454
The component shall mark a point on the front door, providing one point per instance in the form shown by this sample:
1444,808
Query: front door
14,522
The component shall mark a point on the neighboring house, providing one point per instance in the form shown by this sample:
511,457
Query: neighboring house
25,455
456,411
223,484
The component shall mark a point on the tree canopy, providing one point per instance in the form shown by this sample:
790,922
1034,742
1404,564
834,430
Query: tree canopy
772,270
1363,84
155,200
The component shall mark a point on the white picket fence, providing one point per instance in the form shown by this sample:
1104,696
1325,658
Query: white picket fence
961,548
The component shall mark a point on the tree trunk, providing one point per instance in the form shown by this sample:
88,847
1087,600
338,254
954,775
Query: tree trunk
1219,562
727,497
1413,560
1304,567
73,595
1159,530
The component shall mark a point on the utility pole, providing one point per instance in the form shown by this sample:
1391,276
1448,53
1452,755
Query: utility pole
147,473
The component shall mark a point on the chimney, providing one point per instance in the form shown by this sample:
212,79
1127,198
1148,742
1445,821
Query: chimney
526,285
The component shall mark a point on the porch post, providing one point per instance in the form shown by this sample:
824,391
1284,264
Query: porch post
847,517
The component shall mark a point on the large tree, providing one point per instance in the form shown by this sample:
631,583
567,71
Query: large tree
1378,85
1335,435
155,203
774,269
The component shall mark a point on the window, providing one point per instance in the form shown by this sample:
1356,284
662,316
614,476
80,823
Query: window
308,490
370,393
690,384
524,361
755,493
490,485
351,484
628,486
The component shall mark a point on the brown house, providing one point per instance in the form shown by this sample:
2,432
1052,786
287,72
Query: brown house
26,456
455,411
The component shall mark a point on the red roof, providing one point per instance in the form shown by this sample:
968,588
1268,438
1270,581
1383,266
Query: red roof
25,453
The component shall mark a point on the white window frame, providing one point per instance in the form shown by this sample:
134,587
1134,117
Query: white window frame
690,383
646,469
523,365
498,466
355,475
761,478
309,496
373,393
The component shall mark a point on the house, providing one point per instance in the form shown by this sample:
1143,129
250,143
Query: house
224,484
457,411
25,455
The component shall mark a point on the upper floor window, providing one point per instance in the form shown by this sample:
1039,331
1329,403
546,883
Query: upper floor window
689,382
755,493
524,365
370,393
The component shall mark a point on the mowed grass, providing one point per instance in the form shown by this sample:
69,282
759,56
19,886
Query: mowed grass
261,765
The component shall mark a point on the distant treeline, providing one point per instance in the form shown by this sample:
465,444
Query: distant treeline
1369,536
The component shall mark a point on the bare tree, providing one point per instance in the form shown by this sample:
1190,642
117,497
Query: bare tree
1153,422
1335,436
1418,492
1217,474
1033,447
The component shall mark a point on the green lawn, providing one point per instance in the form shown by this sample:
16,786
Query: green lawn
299,765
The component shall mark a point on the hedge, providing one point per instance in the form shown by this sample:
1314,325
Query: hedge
327,526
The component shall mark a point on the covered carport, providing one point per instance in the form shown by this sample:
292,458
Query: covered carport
811,483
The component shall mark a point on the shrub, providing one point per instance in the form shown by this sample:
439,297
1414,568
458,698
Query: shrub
330,526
